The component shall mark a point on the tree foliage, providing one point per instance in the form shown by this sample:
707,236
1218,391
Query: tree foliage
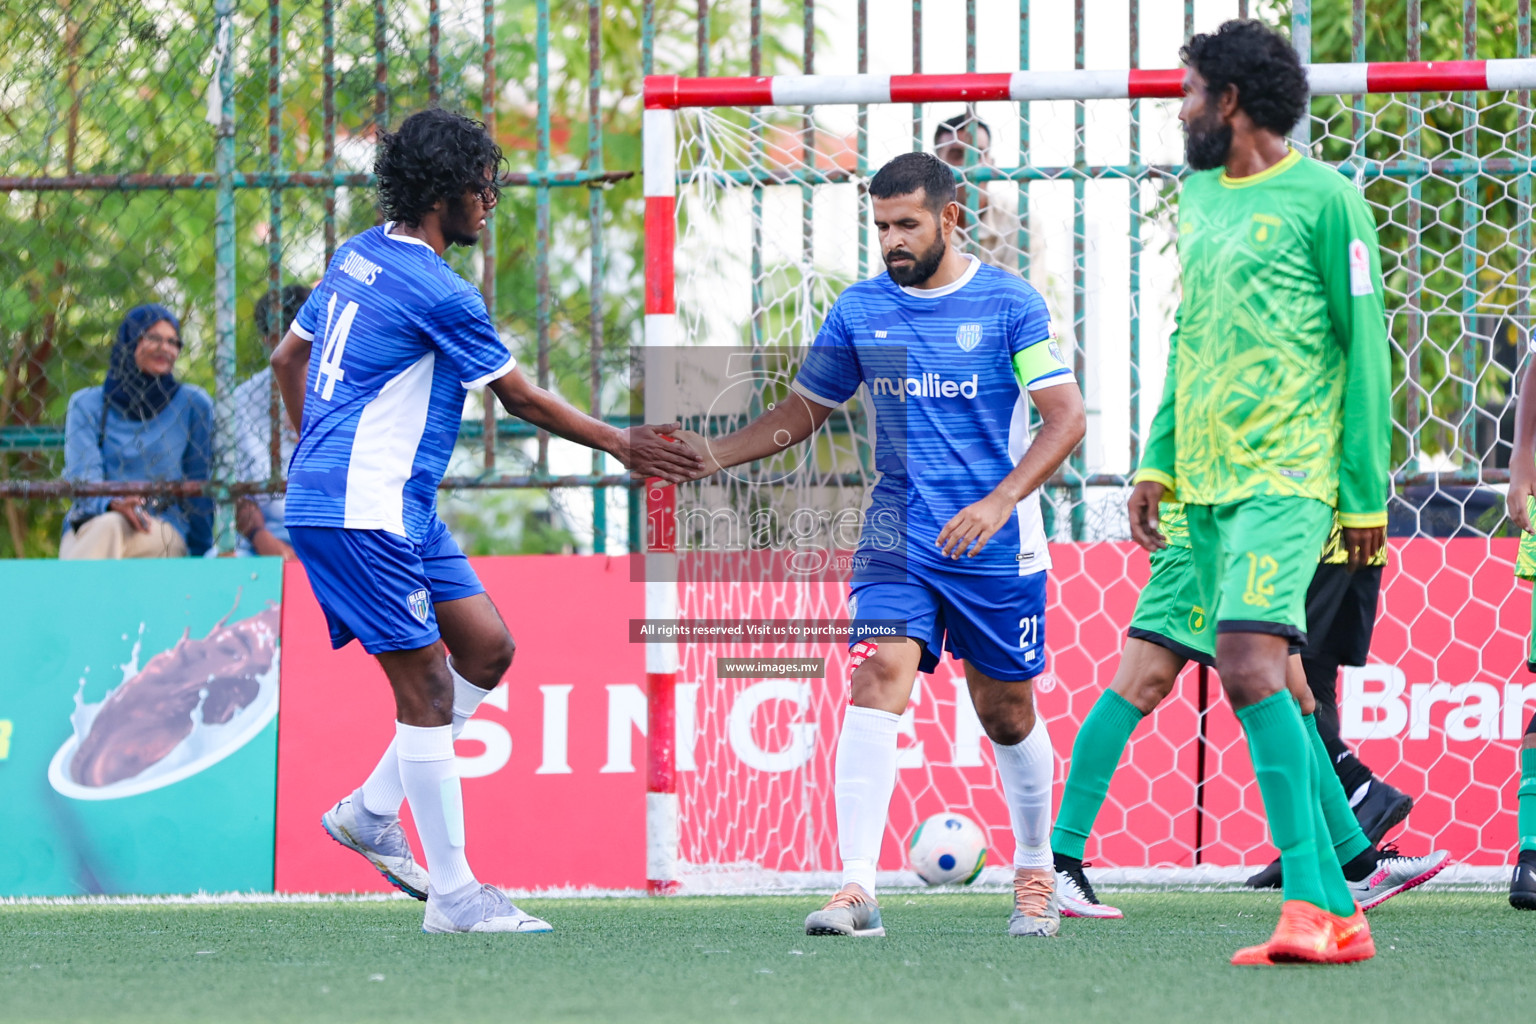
119,87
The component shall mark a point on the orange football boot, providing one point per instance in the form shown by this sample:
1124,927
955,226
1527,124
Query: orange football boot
1253,956
1352,937
1305,934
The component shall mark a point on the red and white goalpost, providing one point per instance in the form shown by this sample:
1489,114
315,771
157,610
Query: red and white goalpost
754,220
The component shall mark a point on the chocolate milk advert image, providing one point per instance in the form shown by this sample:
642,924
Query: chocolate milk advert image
185,709
142,699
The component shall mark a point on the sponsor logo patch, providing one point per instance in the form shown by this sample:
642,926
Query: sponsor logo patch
927,385
1359,268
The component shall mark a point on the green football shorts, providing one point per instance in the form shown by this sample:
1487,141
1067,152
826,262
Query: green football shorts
1257,559
1169,613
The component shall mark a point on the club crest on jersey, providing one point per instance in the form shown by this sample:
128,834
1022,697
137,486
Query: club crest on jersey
1266,228
417,602
968,336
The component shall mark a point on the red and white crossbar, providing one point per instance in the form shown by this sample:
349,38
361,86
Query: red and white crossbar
670,92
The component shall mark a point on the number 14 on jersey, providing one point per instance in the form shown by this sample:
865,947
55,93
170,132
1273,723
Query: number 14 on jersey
335,343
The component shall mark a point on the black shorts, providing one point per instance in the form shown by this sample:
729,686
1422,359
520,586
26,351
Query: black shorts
1341,613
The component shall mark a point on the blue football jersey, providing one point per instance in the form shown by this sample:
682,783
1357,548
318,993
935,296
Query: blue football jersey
948,371
398,338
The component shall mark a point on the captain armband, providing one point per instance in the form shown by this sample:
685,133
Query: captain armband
1041,366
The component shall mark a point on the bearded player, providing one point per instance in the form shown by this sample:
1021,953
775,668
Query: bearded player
952,352
1168,630
1274,416
401,339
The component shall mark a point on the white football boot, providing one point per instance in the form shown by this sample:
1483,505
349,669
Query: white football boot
380,840
852,911
477,908
1035,909
1395,874
1075,894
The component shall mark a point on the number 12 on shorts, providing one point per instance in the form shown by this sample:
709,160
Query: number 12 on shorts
1261,569
336,331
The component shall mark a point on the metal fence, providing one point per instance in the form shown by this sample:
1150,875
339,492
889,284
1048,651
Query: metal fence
202,157
199,159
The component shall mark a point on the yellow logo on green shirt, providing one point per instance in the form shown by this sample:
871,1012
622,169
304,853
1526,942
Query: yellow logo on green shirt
1266,228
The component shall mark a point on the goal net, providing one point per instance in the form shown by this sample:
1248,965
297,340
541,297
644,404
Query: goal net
756,220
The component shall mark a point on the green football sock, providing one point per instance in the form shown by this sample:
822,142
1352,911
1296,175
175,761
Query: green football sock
1343,827
1287,773
1527,814
1095,755
1330,869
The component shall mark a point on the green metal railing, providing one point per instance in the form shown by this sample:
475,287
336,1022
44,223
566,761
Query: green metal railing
268,25
385,77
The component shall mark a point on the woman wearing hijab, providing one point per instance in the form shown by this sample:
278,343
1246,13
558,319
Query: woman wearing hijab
141,424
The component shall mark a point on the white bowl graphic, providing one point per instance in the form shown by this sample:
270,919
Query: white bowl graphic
208,742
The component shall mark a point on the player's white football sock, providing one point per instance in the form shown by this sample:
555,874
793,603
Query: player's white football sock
1026,769
864,777
382,793
431,781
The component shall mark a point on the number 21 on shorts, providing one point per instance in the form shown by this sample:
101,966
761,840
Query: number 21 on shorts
336,331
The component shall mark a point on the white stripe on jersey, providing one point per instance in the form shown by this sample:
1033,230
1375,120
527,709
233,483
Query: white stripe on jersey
384,445
1033,554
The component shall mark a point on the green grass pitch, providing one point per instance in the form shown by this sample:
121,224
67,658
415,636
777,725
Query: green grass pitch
1444,956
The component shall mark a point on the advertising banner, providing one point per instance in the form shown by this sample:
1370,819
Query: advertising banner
139,747
553,763
138,734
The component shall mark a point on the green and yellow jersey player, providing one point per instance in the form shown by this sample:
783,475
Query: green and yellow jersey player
1279,354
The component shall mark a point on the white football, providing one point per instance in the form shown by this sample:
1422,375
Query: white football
947,849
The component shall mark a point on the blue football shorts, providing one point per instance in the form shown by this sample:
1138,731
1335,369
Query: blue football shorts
379,587
997,623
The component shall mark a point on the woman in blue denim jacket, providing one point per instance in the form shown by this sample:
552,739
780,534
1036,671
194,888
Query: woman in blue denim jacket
142,424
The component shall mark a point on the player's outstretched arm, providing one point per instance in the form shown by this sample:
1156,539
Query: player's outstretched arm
290,365
1522,462
1062,425
645,450
784,425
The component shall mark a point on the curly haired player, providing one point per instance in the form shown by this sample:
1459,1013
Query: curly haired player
1279,354
378,403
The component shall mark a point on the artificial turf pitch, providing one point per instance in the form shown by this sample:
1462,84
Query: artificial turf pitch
1443,956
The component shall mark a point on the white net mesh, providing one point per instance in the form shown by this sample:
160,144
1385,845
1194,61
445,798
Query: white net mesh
772,223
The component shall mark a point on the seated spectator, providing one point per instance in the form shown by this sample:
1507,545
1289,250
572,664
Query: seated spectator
258,416
141,424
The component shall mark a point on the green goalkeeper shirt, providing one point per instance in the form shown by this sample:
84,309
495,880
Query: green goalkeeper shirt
1279,368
